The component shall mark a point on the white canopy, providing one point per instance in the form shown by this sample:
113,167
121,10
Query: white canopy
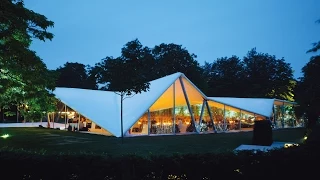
103,107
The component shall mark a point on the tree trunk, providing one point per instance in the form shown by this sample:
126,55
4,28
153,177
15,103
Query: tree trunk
121,116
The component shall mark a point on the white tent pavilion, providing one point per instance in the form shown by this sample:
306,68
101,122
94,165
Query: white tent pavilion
173,105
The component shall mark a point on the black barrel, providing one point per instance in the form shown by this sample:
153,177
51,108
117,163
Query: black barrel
262,133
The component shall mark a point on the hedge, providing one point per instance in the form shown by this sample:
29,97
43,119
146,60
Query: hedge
288,163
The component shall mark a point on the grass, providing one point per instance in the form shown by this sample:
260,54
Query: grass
56,141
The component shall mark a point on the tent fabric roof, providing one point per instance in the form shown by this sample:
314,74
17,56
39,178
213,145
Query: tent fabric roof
261,106
103,107
134,107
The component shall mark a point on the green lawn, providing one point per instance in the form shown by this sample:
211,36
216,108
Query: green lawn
56,141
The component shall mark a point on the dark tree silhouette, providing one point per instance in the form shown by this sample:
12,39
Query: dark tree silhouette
308,91
267,76
76,75
226,77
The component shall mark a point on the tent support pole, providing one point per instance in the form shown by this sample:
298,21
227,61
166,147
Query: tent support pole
274,117
188,103
78,121
149,122
240,119
201,113
174,109
211,118
121,116
224,118
282,115
65,116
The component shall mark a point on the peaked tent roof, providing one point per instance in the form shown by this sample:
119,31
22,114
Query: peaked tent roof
261,106
103,107
137,105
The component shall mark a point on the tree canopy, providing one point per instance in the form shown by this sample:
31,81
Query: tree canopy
257,75
75,75
316,45
23,75
308,90
127,74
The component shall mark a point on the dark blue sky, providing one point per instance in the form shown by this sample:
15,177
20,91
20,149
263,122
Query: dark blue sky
87,31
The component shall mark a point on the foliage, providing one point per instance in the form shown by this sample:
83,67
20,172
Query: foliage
226,77
268,76
127,74
75,75
308,90
172,58
23,75
290,163
257,75
316,45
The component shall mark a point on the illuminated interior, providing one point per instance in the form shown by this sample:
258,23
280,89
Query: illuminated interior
170,114
180,109
74,121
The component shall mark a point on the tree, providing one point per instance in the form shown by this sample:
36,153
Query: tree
226,77
308,91
76,75
316,45
172,58
22,73
127,75
267,76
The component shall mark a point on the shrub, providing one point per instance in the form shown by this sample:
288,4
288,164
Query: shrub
262,133
290,163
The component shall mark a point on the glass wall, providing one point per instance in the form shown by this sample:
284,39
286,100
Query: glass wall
206,124
289,118
141,126
277,110
284,116
217,110
232,116
247,120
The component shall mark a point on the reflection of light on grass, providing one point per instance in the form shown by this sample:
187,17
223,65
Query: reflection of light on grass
5,136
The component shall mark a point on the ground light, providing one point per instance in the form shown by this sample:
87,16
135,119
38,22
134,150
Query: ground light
5,136
287,145
305,138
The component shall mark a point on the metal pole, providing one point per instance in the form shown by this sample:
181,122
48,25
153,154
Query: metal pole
78,121
188,103
149,122
240,119
274,117
174,108
282,119
202,110
121,117
211,118
224,118
65,116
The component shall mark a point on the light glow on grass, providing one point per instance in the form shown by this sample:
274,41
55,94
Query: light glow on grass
5,136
